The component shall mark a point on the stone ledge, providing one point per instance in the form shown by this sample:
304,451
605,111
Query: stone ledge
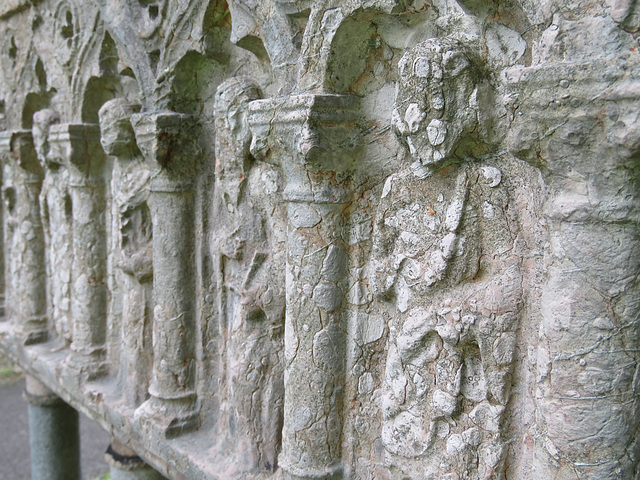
96,400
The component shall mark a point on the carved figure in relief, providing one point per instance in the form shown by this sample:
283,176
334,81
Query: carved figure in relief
133,227
11,237
442,254
250,280
55,209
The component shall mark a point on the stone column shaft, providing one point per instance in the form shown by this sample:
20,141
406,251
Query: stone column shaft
54,436
9,231
89,302
587,385
135,368
27,263
167,140
317,159
174,286
314,342
32,314
8,228
3,276
78,146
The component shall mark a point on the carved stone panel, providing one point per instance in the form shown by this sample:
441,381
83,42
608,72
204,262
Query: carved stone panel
250,281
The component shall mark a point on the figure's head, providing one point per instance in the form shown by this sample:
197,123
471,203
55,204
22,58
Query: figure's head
116,133
435,99
233,137
42,121
232,98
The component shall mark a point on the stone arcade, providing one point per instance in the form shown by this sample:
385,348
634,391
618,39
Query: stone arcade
335,240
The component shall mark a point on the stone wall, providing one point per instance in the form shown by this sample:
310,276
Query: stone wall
358,239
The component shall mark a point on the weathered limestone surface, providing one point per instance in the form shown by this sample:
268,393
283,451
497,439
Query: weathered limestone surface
358,239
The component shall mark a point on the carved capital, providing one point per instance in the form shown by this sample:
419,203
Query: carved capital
169,140
77,146
17,146
37,394
578,120
550,91
313,138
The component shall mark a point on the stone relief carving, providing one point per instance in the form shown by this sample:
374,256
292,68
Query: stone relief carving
132,220
65,40
77,147
250,281
55,208
27,292
313,150
585,370
443,253
299,37
266,29
168,142
11,239
149,15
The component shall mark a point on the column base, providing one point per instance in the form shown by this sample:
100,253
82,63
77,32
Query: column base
126,465
86,366
168,417
33,331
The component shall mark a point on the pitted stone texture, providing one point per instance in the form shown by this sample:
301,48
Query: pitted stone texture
55,210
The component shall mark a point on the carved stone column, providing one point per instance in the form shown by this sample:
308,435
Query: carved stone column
27,264
578,121
78,146
55,211
54,437
169,141
312,138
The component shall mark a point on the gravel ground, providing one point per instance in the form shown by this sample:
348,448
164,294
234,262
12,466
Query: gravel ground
14,433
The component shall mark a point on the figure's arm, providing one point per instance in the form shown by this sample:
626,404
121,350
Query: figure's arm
383,271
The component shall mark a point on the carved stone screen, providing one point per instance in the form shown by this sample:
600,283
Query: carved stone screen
357,239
